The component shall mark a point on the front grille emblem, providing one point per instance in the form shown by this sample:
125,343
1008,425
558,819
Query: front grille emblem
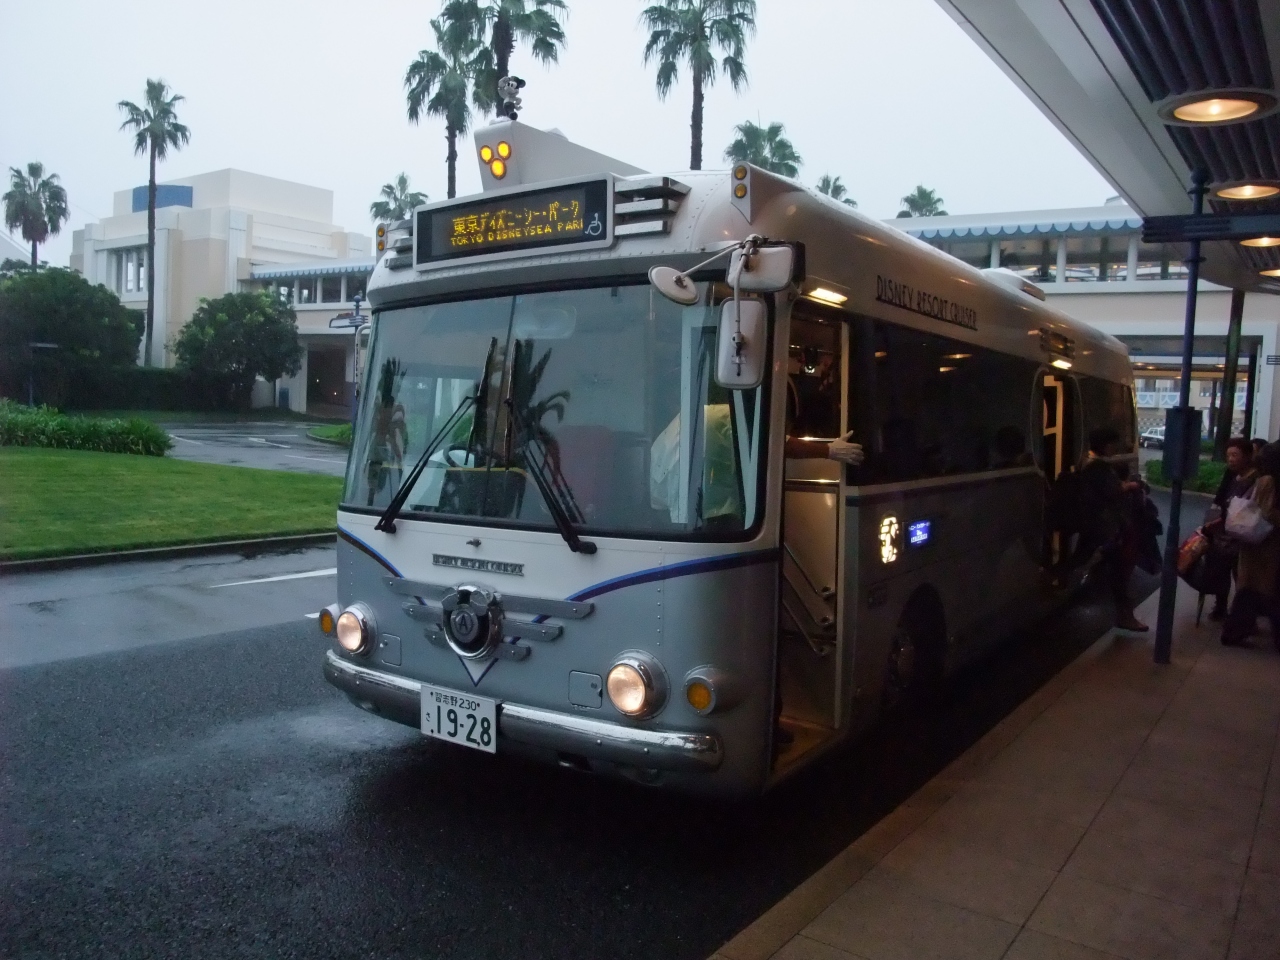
472,621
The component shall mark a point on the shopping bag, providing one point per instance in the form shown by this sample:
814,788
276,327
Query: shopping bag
1245,521
1192,549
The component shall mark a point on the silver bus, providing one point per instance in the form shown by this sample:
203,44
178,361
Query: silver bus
575,525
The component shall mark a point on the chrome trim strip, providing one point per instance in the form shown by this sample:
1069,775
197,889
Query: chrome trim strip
548,729
511,603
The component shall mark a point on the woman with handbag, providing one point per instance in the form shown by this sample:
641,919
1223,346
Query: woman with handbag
1237,481
1253,520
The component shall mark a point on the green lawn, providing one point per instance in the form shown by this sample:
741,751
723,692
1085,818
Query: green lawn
332,433
57,502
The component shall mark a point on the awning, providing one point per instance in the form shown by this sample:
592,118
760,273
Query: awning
275,271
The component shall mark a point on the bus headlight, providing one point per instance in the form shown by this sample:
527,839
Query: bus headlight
637,684
356,628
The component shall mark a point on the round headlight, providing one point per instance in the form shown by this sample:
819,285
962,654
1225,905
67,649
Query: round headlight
355,629
637,685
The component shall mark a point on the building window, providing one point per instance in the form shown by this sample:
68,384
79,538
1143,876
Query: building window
355,285
331,289
1160,261
976,253
130,271
1095,259
283,289
306,290
1034,260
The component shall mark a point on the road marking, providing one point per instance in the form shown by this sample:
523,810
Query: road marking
294,456
198,443
283,446
328,572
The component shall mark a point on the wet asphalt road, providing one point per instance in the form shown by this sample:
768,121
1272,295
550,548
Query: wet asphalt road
269,445
214,797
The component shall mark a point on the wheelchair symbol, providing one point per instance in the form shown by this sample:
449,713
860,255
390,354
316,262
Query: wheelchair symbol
595,227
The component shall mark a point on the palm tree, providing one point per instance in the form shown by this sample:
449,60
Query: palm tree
35,204
155,129
692,31
832,187
922,202
505,22
397,201
437,84
766,147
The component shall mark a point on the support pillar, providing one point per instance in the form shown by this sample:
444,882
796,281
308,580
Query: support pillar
1173,535
1226,410
1251,390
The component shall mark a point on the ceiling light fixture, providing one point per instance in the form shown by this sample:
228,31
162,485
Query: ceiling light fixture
1210,107
1270,273
1261,242
1254,190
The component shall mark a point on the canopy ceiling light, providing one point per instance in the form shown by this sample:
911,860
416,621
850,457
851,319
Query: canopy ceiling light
1209,107
1261,242
1270,273
1254,190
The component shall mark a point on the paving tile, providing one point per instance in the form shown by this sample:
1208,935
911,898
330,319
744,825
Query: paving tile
1005,824
1034,945
1265,854
1210,834
966,875
894,921
1257,931
803,948
1129,924
1064,769
1208,884
1188,787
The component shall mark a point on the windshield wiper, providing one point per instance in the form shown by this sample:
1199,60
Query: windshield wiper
554,488
387,522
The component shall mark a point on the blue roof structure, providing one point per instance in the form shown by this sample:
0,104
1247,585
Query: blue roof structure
312,268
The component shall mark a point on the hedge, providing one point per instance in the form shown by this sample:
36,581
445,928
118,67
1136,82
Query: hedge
1206,480
44,427
142,388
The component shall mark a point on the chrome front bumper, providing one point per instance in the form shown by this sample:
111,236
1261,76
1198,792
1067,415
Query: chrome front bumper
399,698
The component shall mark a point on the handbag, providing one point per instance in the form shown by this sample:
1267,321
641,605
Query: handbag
1192,549
1245,521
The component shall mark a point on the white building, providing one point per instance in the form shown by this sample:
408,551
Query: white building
224,231
1091,264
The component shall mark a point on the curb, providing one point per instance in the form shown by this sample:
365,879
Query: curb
333,443
246,548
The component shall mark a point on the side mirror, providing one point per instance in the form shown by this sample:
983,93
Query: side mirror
741,346
765,270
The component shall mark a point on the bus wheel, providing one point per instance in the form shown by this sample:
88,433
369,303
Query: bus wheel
914,663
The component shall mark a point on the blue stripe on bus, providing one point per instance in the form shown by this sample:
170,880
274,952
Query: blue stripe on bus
683,569
365,548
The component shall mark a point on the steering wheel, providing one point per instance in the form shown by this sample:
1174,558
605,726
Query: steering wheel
462,454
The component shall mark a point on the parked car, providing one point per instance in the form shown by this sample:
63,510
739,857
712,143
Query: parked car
1152,437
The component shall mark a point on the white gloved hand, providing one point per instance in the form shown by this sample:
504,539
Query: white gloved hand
844,451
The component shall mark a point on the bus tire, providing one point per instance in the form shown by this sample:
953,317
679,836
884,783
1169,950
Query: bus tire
913,668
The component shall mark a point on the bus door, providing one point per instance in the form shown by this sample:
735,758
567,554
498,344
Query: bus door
1058,453
808,637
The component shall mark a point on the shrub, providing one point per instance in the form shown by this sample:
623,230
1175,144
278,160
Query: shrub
1206,480
144,388
44,427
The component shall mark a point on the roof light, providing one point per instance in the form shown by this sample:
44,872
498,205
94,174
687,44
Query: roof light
1261,242
740,190
740,172
1247,191
827,296
486,154
498,168
1217,106
504,149
1061,364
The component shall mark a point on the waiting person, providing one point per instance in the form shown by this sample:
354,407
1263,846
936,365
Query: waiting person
1259,563
1106,519
1237,481
1258,443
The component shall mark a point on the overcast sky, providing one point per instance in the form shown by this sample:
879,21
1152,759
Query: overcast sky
886,94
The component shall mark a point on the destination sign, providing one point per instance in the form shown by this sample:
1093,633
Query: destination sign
553,216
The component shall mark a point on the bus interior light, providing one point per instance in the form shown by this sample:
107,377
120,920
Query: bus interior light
827,296
1061,364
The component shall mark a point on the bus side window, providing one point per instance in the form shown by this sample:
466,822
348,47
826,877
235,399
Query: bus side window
929,406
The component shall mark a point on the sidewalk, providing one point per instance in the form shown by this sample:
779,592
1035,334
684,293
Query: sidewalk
1126,810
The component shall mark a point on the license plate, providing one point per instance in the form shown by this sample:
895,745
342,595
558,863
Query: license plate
460,718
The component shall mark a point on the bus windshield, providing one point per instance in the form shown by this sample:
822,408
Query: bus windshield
608,393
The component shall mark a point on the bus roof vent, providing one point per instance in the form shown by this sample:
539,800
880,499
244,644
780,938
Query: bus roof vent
1007,278
645,205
